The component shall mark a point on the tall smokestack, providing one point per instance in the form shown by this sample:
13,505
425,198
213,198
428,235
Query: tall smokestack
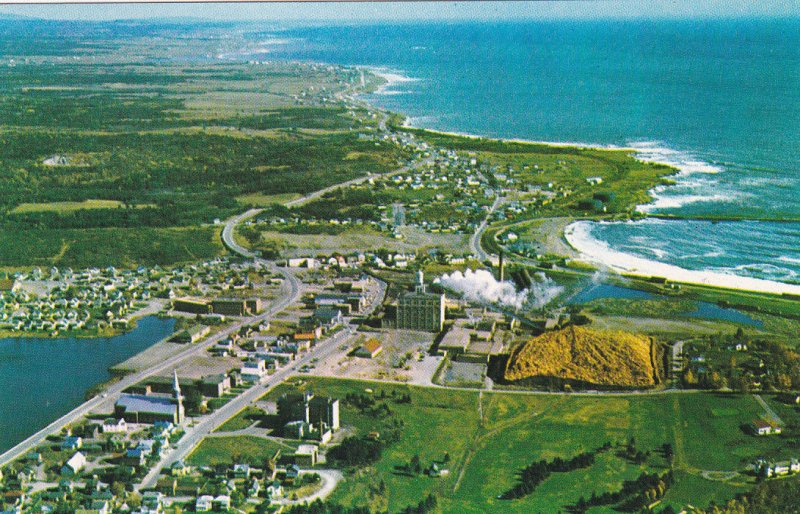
502,267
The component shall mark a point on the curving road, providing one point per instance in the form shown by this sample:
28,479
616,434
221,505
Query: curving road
330,478
114,390
475,239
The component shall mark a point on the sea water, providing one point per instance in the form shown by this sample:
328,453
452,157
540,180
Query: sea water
718,99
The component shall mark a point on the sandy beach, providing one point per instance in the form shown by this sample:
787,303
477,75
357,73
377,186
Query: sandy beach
578,235
392,79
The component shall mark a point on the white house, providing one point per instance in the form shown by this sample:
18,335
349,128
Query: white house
204,503
222,502
761,427
115,426
74,465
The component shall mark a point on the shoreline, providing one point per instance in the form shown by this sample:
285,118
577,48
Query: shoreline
598,252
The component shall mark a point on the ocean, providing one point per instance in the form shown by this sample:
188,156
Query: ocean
718,99
43,379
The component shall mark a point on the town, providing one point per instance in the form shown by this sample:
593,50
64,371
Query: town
360,316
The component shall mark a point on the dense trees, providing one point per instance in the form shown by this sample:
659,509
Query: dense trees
356,451
428,504
537,472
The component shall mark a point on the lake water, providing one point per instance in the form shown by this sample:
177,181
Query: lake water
703,310
42,379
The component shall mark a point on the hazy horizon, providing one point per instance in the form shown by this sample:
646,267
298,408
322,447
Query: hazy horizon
405,11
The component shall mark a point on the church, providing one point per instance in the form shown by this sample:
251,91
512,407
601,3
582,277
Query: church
149,408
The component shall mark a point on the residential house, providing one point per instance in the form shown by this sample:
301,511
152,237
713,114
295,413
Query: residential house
369,349
762,427
74,465
115,426
204,503
72,442
253,370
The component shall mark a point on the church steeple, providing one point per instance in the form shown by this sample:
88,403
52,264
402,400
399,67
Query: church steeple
176,386
178,397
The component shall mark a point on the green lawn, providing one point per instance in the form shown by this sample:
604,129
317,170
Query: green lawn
486,453
243,419
225,450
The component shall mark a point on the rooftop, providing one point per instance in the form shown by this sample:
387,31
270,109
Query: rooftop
156,404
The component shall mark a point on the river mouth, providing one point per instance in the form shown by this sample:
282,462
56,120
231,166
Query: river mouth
44,378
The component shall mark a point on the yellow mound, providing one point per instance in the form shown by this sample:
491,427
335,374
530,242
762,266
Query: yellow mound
586,355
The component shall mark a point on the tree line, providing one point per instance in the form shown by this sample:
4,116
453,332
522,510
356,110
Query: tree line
537,472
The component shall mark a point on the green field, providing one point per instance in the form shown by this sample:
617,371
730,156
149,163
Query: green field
66,206
161,146
241,420
128,247
235,449
489,437
262,200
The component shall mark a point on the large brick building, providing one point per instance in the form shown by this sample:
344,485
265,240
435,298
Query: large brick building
420,310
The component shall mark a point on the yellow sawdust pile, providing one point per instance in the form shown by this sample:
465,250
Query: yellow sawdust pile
593,356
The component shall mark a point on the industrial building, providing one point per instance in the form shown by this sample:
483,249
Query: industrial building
227,307
306,416
420,310
236,307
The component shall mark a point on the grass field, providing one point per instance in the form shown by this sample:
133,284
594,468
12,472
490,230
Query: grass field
127,247
490,437
243,419
242,449
262,200
66,206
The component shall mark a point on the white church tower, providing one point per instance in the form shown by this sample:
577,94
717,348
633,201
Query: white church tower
178,397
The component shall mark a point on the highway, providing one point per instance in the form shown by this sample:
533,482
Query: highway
207,424
113,391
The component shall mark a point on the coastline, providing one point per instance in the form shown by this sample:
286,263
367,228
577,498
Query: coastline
597,252
578,236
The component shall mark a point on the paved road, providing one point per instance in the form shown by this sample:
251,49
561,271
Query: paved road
475,238
207,424
769,410
113,391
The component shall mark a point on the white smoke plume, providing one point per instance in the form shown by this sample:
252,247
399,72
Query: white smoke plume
480,286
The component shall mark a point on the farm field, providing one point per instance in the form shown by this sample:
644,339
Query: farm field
489,437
